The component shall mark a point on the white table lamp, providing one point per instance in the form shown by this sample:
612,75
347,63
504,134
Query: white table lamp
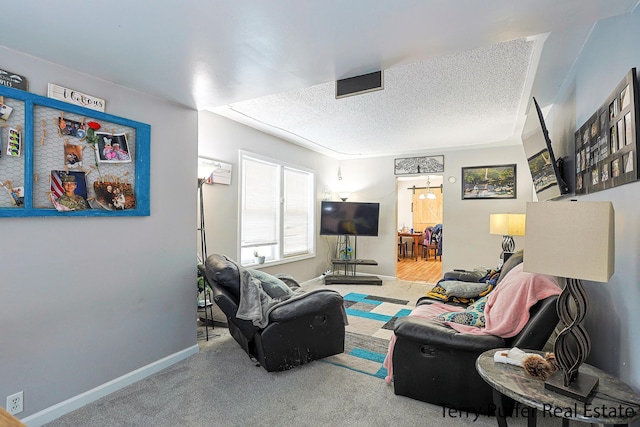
507,225
574,240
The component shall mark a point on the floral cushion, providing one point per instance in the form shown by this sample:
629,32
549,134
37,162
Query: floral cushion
472,316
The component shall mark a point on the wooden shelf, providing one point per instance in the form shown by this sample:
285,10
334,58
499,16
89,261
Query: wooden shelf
335,279
354,261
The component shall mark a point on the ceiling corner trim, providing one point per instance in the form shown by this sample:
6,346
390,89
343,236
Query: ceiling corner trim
238,116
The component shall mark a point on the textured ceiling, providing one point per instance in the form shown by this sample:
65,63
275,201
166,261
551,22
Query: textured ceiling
458,73
464,99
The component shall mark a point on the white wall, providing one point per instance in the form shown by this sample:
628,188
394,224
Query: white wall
84,301
466,239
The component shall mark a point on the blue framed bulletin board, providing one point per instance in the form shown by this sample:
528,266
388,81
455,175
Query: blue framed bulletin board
42,139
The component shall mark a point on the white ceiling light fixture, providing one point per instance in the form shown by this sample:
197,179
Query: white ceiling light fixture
430,194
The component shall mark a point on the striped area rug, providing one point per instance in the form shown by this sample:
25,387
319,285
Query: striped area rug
371,321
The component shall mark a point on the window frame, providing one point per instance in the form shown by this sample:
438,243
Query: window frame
277,254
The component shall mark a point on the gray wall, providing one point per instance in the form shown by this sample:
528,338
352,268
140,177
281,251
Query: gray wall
610,52
84,301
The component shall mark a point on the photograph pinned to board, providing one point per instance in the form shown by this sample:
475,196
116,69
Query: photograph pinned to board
73,156
69,191
68,127
112,148
17,193
5,112
113,195
14,146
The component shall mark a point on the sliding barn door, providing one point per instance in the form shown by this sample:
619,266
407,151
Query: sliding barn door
427,212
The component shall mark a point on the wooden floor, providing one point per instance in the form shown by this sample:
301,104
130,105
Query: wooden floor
429,271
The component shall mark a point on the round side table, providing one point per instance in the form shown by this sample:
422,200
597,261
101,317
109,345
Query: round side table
613,402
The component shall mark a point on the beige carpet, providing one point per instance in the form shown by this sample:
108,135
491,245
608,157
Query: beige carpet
221,386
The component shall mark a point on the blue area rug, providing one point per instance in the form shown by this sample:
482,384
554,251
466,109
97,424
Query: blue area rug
371,322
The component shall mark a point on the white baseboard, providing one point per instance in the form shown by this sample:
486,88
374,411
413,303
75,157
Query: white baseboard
51,413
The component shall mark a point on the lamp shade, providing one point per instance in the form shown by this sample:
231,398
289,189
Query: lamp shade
507,224
570,239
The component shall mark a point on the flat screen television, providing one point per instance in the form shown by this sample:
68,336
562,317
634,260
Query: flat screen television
349,218
546,172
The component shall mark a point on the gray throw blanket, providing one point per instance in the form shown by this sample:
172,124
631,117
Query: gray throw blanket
255,304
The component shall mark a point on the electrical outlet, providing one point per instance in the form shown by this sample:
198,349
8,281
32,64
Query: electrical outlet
15,402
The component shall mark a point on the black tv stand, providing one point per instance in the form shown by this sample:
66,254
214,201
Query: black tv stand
350,263
342,279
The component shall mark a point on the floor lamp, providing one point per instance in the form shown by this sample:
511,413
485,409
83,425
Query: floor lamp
204,177
574,240
201,228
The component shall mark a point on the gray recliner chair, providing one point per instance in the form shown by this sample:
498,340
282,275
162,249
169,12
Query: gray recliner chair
303,327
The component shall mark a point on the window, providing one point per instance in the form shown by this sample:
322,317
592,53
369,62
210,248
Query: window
276,212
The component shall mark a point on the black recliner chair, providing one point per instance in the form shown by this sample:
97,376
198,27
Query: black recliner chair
303,328
436,364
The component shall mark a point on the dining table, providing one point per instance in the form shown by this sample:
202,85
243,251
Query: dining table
416,241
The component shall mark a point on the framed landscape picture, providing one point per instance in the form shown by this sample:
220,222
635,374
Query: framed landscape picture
489,182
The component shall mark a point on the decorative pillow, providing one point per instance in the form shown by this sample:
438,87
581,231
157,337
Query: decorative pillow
288,280
466,276
472,316
273,286
457,288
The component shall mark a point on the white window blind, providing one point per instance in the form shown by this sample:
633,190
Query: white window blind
259,202
297,212
277,210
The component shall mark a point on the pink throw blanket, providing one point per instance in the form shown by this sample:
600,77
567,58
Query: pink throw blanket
506,311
